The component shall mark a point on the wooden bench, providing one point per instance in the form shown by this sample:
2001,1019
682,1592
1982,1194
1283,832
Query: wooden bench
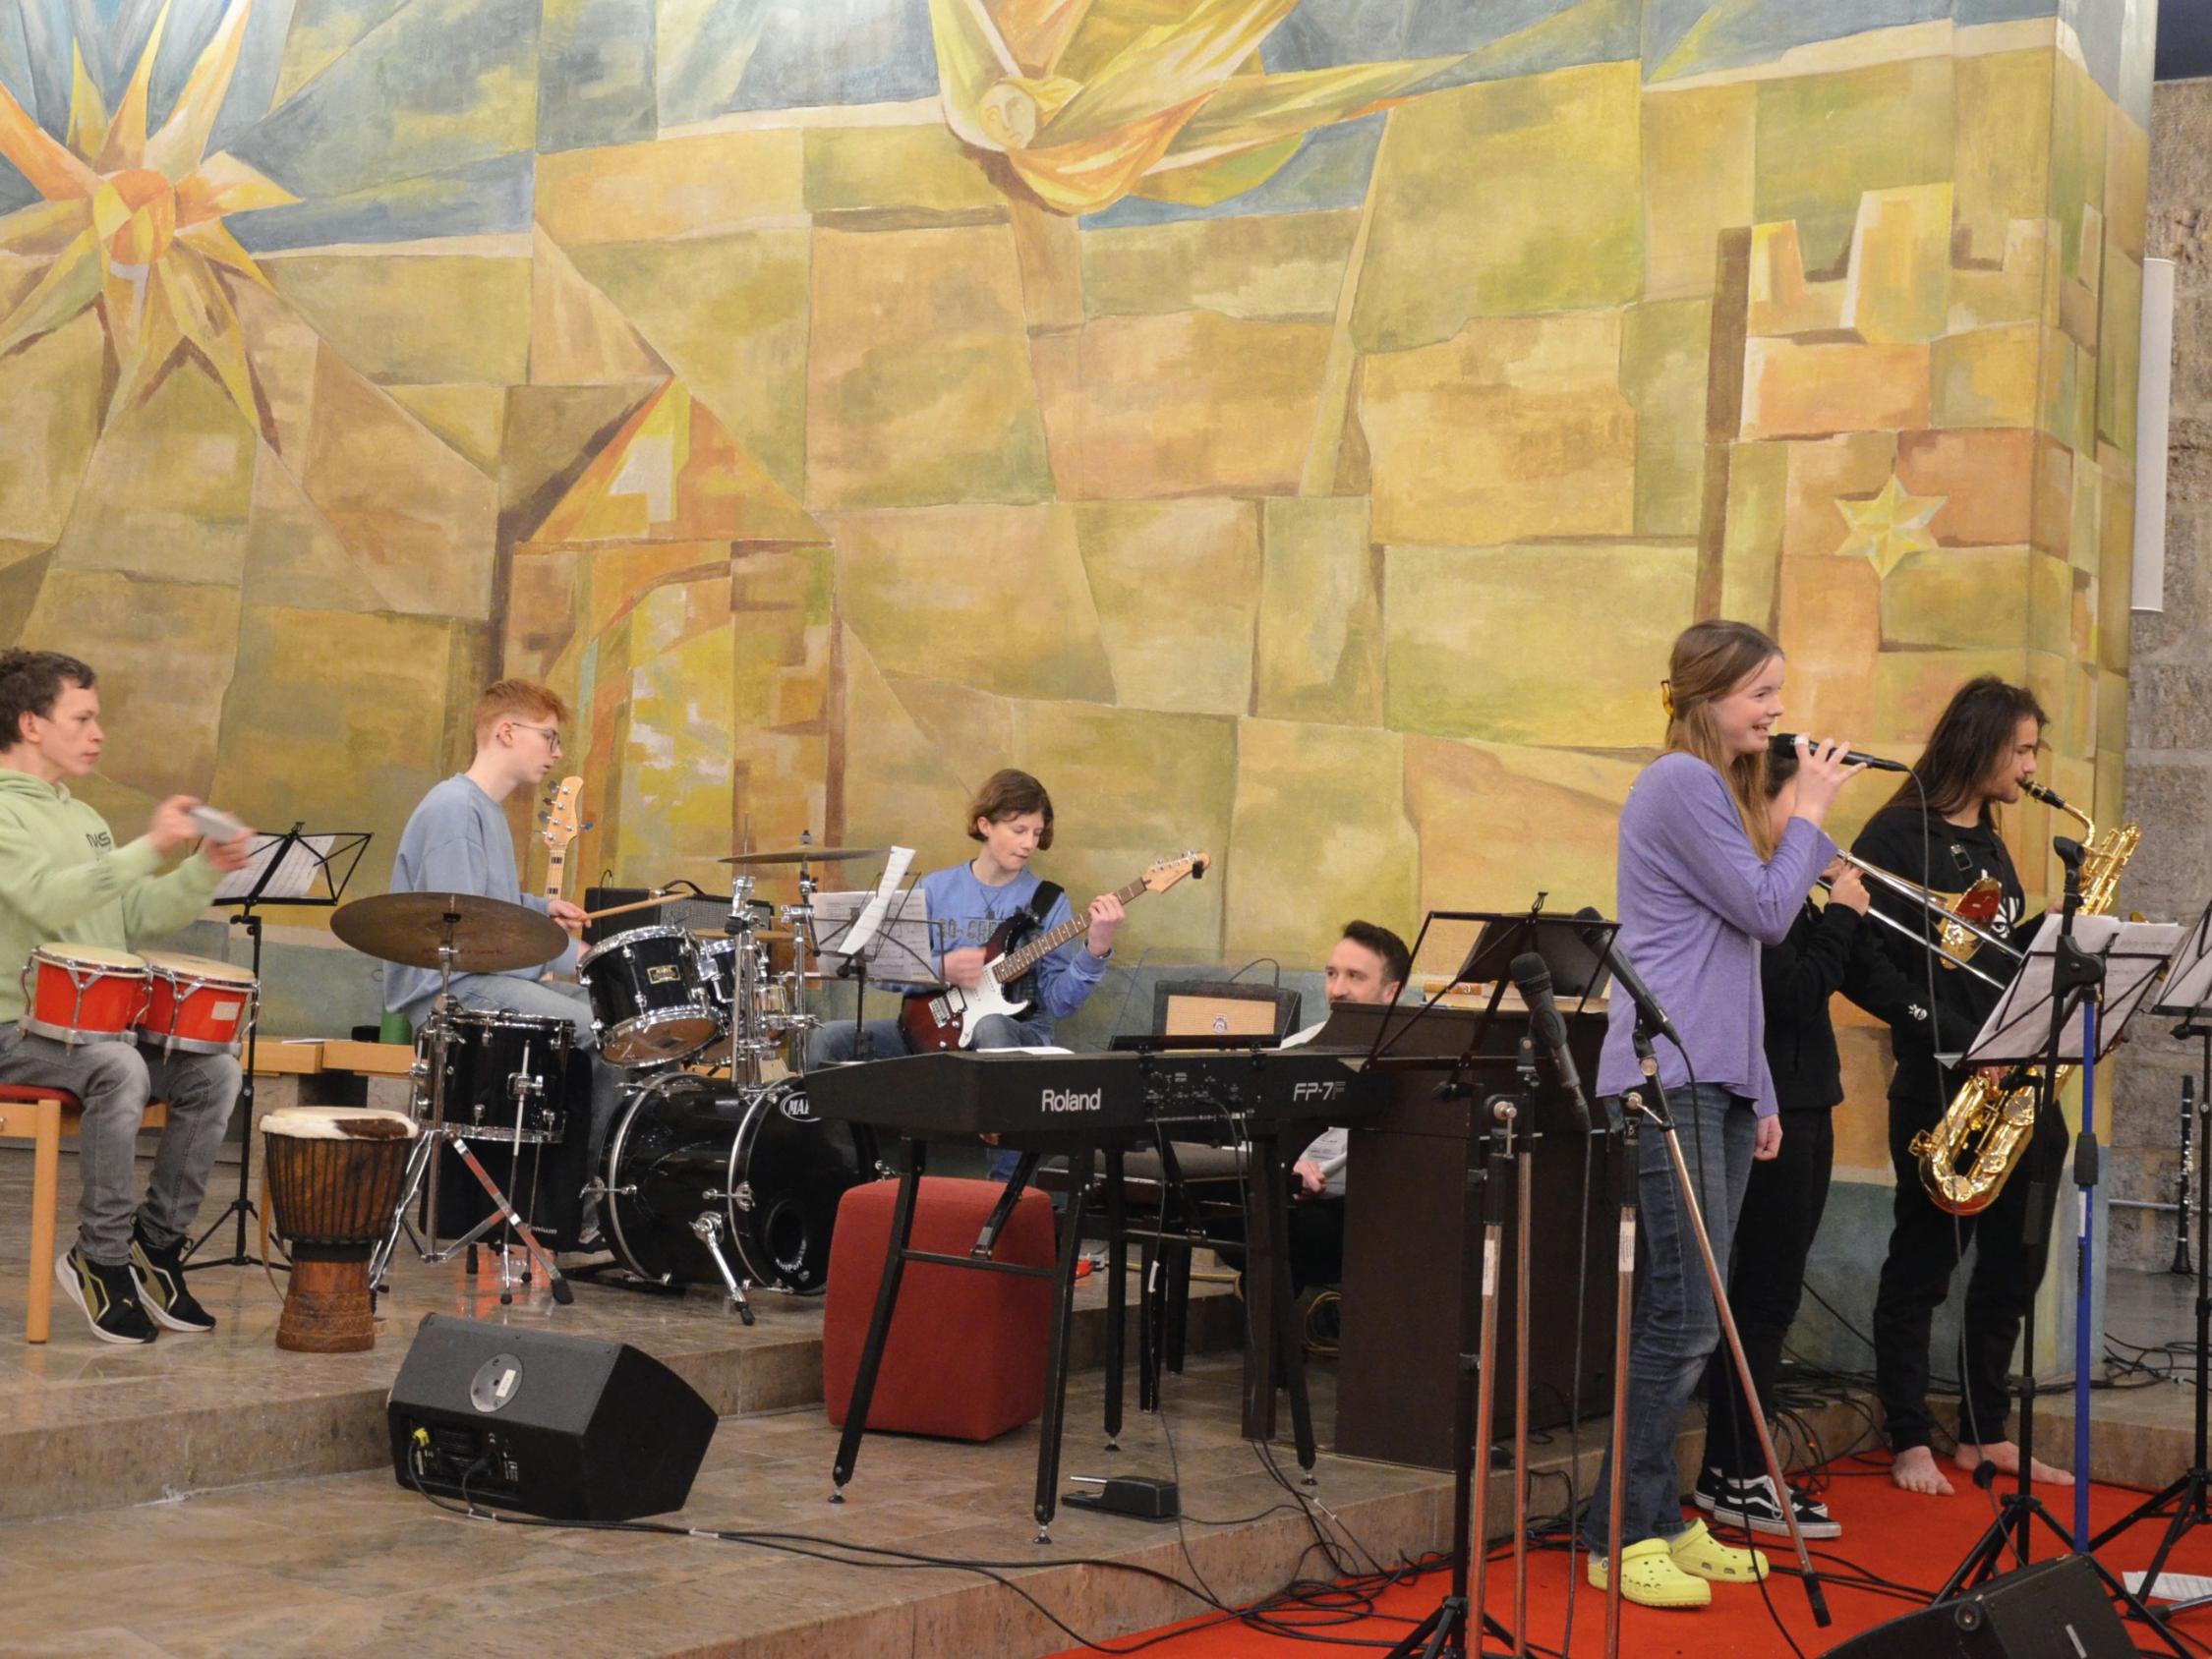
46,1115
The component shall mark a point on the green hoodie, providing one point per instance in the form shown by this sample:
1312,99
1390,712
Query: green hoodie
63,878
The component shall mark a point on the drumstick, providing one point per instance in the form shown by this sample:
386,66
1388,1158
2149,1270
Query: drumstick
661,896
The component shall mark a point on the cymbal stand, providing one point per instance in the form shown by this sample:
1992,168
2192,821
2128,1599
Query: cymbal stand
424,1165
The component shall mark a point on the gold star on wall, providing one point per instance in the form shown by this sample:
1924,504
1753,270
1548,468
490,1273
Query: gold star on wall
1891,527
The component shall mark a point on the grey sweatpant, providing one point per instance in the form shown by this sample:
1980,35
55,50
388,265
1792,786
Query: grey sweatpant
115,1080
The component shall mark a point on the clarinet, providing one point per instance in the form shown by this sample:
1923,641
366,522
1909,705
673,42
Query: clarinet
2182,1216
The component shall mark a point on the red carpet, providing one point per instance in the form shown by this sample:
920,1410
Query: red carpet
1887,1535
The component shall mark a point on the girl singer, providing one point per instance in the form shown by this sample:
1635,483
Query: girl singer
1704,880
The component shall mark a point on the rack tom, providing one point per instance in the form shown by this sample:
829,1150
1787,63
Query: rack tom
336,1175
196,1004
84,994
649,1002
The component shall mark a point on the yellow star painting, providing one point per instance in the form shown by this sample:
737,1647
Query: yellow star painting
133,224
1892,526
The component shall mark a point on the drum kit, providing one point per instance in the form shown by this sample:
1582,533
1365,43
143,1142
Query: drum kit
705,1177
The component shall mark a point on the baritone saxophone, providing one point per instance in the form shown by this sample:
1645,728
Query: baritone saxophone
1972,1150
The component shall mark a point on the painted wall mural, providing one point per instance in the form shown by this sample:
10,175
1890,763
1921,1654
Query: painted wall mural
1294,427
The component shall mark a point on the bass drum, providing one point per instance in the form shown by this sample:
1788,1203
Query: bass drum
753,1160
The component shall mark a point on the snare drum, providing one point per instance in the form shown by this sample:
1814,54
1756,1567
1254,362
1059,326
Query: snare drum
196,1003
753,1158
84,994
650,1004
496,1062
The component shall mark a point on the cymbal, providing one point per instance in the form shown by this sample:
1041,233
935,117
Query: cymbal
804,855
490,935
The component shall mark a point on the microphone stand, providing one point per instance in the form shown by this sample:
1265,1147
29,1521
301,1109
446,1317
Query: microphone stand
1663,1122
1625,1298
1445,1634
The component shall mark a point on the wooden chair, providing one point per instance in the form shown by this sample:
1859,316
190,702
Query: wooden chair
45,1116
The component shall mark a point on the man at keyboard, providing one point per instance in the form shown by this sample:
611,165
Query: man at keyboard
1369,964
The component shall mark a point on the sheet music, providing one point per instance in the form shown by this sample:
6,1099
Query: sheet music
864,929
295,877
2019,1027
2190,987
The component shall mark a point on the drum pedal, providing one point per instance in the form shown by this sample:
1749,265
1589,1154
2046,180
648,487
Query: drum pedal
1139,1497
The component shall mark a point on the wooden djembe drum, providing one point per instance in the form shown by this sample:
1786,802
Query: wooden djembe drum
334,1179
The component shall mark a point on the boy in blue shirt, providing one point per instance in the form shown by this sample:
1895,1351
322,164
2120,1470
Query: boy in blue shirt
1011,816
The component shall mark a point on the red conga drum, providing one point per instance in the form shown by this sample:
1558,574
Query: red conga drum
197,1004
334,1179
83,993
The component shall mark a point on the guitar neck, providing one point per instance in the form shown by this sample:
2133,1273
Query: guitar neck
1012,966
556,864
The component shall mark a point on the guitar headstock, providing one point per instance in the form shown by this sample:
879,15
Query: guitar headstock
1169,871
560,816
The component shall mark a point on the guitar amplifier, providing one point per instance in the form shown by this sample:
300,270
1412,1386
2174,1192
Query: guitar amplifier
706,913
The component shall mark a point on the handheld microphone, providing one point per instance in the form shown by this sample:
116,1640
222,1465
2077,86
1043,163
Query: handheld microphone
1533,980
1786,743
1611,954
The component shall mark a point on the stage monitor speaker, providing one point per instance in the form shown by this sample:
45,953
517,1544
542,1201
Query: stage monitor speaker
566,1427
2055,1609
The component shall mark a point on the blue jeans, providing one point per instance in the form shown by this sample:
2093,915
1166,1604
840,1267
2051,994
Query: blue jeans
834,1044
1675,1326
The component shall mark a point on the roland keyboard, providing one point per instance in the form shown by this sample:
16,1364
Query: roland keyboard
1019,1093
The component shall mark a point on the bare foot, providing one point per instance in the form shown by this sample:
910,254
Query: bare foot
1914,1470
2007,1456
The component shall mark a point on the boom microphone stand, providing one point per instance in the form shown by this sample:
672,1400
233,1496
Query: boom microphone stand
1444,1634
1655,1108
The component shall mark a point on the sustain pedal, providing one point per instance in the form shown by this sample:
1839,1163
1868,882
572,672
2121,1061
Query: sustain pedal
1137,1496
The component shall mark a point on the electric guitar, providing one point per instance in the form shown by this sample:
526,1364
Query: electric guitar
560,828
935,1020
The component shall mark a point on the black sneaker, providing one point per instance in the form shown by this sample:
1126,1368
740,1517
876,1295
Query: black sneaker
108,1297
159,1271
1750,1503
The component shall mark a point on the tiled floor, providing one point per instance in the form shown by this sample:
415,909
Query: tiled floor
332,1563
85,1425
356,1564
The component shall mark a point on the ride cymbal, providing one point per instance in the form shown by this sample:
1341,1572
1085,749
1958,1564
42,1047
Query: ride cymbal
489,936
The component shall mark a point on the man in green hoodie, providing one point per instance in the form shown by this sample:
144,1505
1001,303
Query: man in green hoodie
62,879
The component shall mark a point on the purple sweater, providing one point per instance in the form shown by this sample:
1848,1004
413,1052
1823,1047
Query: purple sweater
1695,903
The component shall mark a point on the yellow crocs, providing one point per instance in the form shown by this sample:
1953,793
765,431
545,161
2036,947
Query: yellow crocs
1700,1554
1649,1578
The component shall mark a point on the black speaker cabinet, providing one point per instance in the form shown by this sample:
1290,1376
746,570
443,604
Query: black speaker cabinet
567,1427
2055,1609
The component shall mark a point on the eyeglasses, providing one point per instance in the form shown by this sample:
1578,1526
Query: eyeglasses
552,734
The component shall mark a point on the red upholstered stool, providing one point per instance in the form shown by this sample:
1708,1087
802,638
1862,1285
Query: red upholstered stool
966,1353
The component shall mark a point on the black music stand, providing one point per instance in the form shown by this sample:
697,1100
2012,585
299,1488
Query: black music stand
2050,1016
2188,995
879,932
293,868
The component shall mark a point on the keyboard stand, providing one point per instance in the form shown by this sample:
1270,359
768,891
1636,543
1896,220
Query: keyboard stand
901,1251
1273,1354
